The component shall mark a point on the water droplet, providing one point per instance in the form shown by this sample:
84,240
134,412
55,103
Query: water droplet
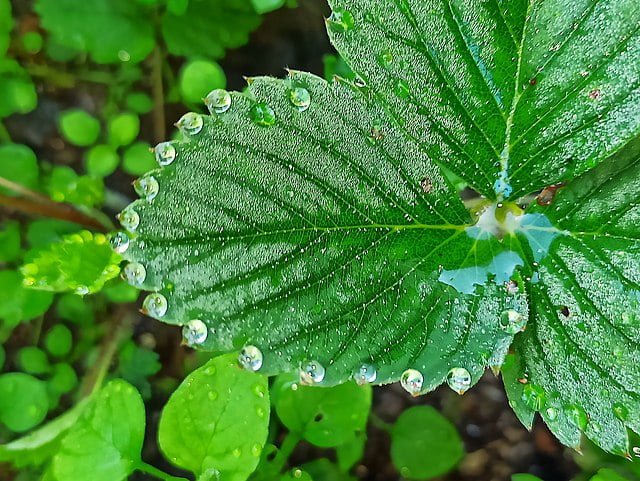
512,321
195,332
459,380
250,358
341,20
300,98
134,273
621,411
552,413
218,101
636,450
366,374
258,390
237,452
402,90
311,372
129,219
411,380
212,395
256,450
147,187
533,396
119,242
577,416
190,123
512,287
262,114
81,290
385,58
165,153
260,412
155,305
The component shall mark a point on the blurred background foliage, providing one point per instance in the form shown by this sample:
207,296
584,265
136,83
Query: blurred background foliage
86,88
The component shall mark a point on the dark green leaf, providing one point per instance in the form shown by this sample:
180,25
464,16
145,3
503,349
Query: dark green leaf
10,241
18,303
265,6
325,417
324,470
6,24
136,364
110,31
18,164
23,401
350,452
17,92
208,27
609,475
58,340
63,379
424,444
217,421
105,443
525,477
33,360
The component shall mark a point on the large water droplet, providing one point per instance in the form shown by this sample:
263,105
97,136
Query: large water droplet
412,380
552,413
512,321
341,20
155,305
366,374
459,380
262,114
311,372
165,153
218,101
190,123
135,273
300,98
81,290
195,332
577,416
129,219
119,242
250,358
402,90
147,187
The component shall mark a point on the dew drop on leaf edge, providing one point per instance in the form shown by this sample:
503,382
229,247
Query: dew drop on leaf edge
311,372
300,98
119,242
129,219
165,153
190,123
147,187
218,101
459,380
366,374
155,305
195,332
250,358
411,380
134,273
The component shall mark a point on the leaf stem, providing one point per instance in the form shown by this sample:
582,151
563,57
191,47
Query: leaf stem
153,471
289,443
379,423
34,203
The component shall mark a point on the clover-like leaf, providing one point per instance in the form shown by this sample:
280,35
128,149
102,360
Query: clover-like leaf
216,422
310,222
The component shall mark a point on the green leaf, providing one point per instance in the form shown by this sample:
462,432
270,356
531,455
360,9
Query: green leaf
525,477
10,241
23,401
6,25
78,127
33,360
351,451
138,159
32,42
324,470
58,341
123,129
75,309
81,262
424,444
111,31
17,92
580,356
324,417
101,161
18,303
296,474
105,443
120,292
63,379
607,474
198,78
208,27
343,233
37,447
217,421
42,232
265,6
136,364
18,163
139,102
445,71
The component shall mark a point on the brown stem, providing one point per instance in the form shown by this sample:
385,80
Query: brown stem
35,203
117,329
157,87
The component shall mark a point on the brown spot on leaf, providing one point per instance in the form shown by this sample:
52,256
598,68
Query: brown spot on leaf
547,195
426,184
595,94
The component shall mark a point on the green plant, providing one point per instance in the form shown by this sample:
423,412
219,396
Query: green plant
459,193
